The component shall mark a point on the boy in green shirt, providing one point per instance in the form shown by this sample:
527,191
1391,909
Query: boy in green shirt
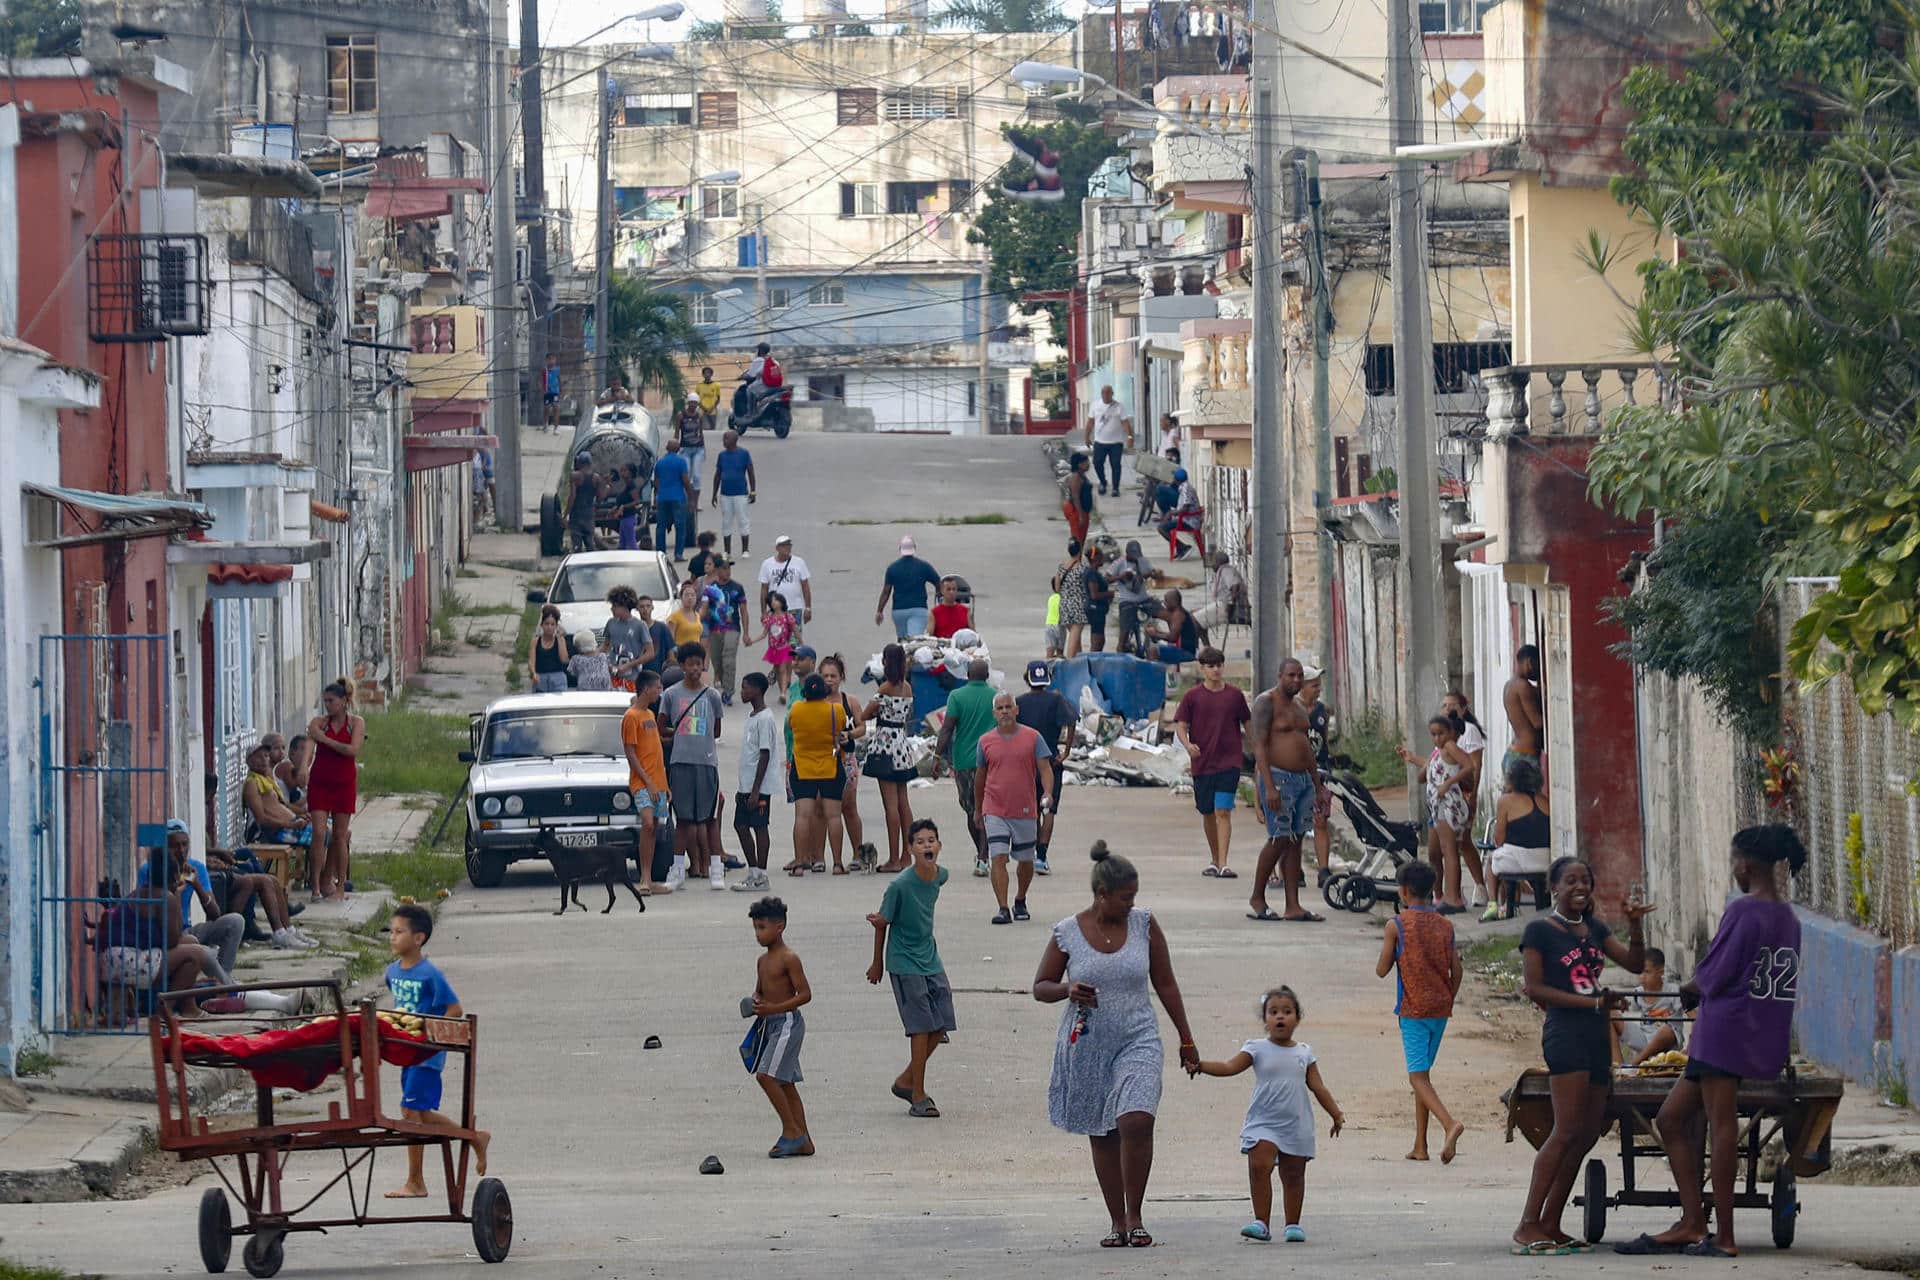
903,948
969,714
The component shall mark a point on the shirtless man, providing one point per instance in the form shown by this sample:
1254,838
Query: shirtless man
1522,699
1284,780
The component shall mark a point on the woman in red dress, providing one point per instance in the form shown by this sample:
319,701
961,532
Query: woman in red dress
333,788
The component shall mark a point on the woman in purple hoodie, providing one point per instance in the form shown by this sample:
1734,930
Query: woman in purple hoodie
1744,990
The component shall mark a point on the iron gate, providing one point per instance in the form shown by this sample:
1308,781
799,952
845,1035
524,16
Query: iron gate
105,754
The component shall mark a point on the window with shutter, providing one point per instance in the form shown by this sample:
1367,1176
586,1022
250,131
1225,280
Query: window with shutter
921,104
720,110
858,106
352,82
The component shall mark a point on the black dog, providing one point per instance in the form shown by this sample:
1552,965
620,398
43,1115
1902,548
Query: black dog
571,867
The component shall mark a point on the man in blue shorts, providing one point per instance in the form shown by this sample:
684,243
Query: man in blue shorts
1283,778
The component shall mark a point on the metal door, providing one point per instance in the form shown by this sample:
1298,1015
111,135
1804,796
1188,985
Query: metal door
104,793
232,713
1557,688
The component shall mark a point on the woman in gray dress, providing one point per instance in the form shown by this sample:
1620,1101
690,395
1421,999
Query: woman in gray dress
1107,1059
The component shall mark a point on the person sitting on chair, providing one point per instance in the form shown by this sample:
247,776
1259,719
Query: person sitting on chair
1185,515
269,817
1176,637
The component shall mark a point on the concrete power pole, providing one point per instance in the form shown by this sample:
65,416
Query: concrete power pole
533,149
603,242
1322,412
504,392
1272,632
1413,379
986,367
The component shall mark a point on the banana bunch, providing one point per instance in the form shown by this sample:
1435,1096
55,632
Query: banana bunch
1672,1062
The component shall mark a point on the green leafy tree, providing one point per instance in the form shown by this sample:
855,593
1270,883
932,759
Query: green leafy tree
1004,16
41,28
1785,159
650,335
1030,246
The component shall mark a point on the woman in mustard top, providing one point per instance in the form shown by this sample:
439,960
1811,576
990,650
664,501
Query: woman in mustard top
819,778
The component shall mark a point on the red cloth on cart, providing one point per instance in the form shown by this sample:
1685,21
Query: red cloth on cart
299,1057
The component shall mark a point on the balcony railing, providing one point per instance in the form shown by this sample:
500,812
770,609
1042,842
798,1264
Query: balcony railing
1517,405
1214,390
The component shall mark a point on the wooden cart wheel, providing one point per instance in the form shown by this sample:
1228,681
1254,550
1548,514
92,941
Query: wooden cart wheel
1595,1203
264,1253
216,1230
492,1220
1785,1206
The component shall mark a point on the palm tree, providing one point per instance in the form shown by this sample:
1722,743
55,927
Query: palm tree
1003,16
649,334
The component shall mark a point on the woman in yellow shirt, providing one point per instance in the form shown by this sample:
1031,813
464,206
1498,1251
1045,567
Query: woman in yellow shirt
685,618
819,779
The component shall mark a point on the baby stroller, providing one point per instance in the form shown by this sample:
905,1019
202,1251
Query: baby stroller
1390,845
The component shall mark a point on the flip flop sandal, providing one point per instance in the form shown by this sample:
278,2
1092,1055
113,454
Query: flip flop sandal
1540,1249
818,867
924,1110
840,871
1706,1249
796,872
651,1042
1266,915
1113,1240
1644,1245
1305,918
901,1092
1228,873
1212,872
1138,1238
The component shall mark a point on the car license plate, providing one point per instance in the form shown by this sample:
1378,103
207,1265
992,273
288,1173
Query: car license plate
576,839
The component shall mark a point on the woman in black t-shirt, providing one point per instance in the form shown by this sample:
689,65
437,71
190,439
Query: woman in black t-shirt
1563,956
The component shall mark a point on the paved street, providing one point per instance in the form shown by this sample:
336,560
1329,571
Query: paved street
598,1141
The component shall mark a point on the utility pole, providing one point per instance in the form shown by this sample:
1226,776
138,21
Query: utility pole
1322,408
503,403
533,149
986,368
603,241
762,302
1413,379
1269,496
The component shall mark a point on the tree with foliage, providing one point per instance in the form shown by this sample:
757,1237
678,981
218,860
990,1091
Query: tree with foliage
650,333
1030,246
1004,16
41,28
1785,161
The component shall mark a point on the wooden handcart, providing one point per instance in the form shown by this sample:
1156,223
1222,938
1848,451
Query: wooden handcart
1797,1107
305,1054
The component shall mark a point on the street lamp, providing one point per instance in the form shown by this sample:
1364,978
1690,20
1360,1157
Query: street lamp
663,12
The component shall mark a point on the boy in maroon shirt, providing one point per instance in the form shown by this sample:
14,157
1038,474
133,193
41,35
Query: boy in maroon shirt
1211,721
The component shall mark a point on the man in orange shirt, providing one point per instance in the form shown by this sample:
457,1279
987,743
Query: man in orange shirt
646,771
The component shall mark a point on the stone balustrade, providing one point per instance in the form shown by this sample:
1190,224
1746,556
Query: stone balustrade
1214,388
1532,399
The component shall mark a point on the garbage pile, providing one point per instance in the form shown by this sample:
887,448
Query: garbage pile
1112,751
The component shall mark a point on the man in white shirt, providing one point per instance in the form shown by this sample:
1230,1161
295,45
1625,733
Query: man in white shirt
784,571
1110,432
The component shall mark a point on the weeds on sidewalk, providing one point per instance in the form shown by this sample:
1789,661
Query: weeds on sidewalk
1497,960
522,645
35,1060
409,750
10,1270
1369,742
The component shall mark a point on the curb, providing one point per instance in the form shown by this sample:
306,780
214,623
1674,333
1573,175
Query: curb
101,1168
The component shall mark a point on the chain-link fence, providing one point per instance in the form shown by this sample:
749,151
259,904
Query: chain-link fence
1859,770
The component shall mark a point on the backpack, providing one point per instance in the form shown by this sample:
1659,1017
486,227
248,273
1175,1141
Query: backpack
770,374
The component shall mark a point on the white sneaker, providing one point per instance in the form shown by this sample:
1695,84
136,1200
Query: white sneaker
302,937
283,940
717,878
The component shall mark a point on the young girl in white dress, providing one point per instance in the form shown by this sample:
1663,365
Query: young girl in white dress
1279,1128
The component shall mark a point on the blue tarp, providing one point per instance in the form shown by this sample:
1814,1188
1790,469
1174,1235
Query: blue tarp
1122,684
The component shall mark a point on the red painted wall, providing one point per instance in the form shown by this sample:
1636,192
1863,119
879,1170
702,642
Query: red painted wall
1584,547
71,187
